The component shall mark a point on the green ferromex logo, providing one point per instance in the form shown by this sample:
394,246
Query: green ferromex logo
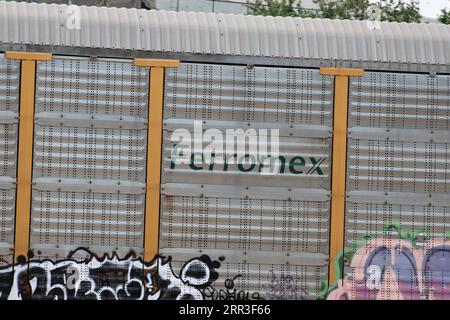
268,165
247,150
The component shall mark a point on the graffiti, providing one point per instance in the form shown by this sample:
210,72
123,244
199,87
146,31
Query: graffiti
230,292
394,268
106,277
195,274
284,287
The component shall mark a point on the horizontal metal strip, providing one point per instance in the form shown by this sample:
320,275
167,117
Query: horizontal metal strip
404,198
414,181
246,179
7,183
88,231
82,167
101,210
236,214
60,221
85,185
118,86
373,105
417,135
241,237
251,257
387,116
63,250
122,204
249,100
114,161
86,121
436,223
250,192
405,172
285,130
8,117
243,78
242,229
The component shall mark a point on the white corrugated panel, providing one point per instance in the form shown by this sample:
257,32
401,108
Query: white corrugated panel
9,108
399,145
197,32
89,157
260,224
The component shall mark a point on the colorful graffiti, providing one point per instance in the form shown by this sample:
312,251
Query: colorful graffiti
397,269
106,277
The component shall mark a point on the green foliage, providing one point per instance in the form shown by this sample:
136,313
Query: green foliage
344,9
445,16
399,11
383,10
284,8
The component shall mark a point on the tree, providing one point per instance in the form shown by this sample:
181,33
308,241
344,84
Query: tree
383,10
399,11
284,8
344,9
445,16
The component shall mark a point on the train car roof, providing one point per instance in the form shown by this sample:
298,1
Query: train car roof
222,34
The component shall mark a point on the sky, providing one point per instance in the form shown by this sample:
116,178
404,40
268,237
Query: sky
431,8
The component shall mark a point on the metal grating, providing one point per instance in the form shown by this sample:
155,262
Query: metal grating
263,280
398,167
245,224
9,108
89,157
240,213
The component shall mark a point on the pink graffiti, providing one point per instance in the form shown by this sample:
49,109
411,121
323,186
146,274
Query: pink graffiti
393,269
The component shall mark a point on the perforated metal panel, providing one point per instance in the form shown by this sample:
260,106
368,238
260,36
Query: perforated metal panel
257,222
398,155
89,157
9,108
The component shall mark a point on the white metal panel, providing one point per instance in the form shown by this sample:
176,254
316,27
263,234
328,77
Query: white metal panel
284,216
256,275
247,224
9,107
398,155
199,32
89,157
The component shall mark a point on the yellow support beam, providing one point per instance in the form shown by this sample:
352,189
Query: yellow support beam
25,149
154,149
28,56
342,72
339,163
160,63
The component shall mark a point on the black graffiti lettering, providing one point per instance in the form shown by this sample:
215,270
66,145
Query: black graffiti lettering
230,292
6,282
90,277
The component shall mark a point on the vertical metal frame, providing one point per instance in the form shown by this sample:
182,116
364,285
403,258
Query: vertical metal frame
154,151
25,148
339,165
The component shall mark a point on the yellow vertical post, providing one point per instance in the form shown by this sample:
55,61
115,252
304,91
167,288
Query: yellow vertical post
25,149
154,151
339,163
